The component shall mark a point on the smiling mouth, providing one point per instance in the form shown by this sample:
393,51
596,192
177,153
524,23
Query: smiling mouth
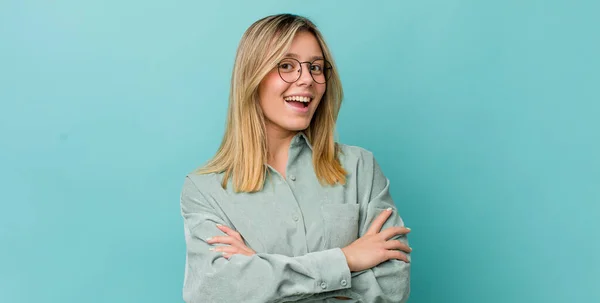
298,101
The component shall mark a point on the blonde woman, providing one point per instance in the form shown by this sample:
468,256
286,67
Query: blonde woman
283,213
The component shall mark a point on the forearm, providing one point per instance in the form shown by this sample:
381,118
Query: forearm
387,282
264,277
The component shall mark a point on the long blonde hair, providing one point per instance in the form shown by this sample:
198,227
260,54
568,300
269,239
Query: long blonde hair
243,151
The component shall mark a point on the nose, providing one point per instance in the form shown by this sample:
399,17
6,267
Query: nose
305,76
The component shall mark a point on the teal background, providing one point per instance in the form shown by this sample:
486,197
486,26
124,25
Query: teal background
485,115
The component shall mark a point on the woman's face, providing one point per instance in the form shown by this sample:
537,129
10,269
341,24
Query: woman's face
284,104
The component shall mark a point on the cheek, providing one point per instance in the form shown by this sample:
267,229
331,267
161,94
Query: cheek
272,87
320,91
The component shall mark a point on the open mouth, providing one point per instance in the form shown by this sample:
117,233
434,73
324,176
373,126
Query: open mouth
298,101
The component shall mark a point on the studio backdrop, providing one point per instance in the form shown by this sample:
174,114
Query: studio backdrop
484,115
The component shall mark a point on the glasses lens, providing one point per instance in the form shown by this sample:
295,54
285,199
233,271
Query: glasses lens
289,70
320,70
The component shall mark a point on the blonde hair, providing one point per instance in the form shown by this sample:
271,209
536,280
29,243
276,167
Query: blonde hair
243,151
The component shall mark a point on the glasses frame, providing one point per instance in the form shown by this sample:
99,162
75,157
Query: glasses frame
327,70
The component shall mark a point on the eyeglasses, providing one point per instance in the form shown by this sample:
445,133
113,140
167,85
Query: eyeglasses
290,70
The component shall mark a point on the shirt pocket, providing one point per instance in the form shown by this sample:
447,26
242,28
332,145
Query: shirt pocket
340,222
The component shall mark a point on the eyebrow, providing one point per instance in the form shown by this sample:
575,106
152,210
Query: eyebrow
313,58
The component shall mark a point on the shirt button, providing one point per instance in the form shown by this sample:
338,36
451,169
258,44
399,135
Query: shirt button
295,217
323,285
292,177
344,282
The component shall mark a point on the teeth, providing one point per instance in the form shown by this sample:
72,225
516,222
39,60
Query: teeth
298,98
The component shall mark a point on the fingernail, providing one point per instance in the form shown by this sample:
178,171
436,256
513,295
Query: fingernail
408,228
389,209
208,239
219,225
211,249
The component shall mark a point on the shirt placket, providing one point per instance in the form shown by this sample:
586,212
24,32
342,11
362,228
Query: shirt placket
292,209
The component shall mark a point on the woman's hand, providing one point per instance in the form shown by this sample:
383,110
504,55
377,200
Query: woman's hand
235,241
374,247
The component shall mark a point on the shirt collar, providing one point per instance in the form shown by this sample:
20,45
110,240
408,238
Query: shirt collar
301,138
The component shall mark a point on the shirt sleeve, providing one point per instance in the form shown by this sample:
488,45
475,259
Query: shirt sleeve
262,277
390,280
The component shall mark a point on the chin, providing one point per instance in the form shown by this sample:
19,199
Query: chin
297,126
297,129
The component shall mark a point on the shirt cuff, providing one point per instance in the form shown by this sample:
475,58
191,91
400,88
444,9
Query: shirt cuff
334,271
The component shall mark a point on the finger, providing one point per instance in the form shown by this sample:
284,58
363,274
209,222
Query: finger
248,251
225,249
398,255
235,234
229,231
223,240
390,232
377,224
395,244
228,255
233,242
228,251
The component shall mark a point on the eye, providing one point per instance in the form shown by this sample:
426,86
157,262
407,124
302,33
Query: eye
287,66
316,68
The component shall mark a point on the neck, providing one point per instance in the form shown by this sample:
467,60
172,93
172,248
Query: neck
278,144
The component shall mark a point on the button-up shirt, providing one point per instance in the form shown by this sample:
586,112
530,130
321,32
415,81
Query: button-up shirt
297,228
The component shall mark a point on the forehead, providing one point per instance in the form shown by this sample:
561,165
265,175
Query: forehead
305,47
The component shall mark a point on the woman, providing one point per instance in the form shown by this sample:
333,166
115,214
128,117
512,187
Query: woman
282,212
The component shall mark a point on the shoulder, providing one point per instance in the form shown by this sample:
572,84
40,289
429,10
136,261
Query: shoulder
363,172
352,154
361,161
205,183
